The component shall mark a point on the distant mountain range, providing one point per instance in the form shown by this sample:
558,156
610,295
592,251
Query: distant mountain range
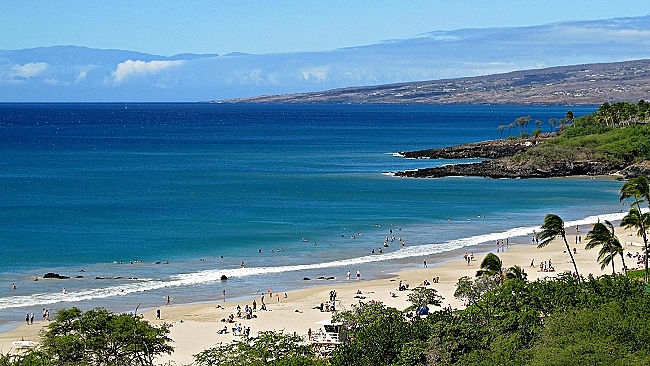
590,84
79,74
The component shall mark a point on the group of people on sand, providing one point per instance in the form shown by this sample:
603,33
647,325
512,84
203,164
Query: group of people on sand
238,330
546,267
468,257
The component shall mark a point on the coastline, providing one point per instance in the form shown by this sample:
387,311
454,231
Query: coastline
194,326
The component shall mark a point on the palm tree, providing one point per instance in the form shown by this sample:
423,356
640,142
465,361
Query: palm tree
552,227
516,272
639,188
490,266
603,235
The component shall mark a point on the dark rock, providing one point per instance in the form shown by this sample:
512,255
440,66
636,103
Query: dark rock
491,149
499,169
634,170
55,275
306,279
79,277
224,278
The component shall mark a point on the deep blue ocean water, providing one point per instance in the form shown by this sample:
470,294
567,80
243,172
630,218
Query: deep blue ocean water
114,191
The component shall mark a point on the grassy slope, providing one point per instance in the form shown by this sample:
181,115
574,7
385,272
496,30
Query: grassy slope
584,141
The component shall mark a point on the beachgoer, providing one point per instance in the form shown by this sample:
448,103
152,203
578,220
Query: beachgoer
64,291
13,286
44,314
532,262
348,275
242,264
425,263
168,301
27,318
358,274
158,313
31,318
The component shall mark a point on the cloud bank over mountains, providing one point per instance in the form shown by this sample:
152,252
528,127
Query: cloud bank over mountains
69,73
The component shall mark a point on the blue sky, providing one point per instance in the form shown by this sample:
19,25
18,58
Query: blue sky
259,27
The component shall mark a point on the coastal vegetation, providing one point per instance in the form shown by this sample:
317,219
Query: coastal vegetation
96,337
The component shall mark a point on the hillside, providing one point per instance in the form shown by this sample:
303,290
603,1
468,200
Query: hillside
589,84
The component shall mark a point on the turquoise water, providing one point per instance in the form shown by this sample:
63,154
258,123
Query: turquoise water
113,192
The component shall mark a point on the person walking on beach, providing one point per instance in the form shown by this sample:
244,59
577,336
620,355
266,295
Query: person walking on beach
358,274
31,318
425,263
27,318
158,313
348,275
168,301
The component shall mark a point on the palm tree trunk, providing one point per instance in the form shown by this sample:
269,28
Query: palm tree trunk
623,261
645,240
571,255
613,270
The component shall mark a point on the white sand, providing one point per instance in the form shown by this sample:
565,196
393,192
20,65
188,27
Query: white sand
194,327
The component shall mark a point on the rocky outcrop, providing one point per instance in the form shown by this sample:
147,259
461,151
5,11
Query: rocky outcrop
502,165
634,170
492,149
496,169
55,275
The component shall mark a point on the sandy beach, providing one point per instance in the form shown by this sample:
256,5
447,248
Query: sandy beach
194,327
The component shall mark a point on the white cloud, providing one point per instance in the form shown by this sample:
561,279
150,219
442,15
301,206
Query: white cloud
82,72
18,74
29,70
141,68
315,73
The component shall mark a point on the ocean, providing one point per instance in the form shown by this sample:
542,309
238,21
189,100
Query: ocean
137,202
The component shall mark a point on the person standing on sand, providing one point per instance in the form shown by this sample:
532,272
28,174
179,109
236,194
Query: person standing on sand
168,301
348,275
358,274
425,263
27,318
158,313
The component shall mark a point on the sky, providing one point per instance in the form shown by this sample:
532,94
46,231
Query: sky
168,28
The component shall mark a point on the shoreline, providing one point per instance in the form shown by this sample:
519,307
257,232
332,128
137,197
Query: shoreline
194,326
